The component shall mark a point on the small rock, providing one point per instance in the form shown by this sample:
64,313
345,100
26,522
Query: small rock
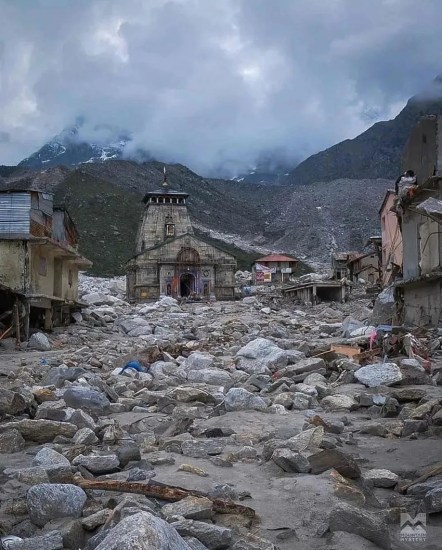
192,470
202,448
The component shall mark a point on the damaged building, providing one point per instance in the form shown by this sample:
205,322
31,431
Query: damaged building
39,262
419,211
171,260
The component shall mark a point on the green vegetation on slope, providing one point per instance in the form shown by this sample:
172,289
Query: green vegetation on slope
107,218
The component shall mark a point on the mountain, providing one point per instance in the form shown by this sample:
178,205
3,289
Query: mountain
70,148
376,153
104,200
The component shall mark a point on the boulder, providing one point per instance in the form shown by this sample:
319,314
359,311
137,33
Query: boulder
46,502
214,537
97,464
308,439
85,436
260,356
57,376
202,448
339,402
39,341
332,458
379,374
213,377
49,541
142,531
11,402
190,508
368,525
79,397
129,325
381,478
11,442
47,457
413,373
40,431
291,461
198,361
433,501
188,394
239,399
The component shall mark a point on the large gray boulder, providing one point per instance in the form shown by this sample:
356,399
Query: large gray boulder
129,325
198,361
239,399
47,457
39,341
213,536
79,397
369,525
57,376
379,374
12,442
260,356
46,502
143,531
41,431
213,377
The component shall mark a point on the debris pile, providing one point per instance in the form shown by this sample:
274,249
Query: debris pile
247,425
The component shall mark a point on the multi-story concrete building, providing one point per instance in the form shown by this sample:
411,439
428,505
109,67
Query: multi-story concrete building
39,259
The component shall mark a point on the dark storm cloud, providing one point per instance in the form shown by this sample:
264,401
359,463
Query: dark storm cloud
211,83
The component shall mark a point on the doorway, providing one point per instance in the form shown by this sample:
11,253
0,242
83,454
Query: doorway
187,284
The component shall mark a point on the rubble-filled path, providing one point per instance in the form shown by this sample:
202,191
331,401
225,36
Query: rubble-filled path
277,442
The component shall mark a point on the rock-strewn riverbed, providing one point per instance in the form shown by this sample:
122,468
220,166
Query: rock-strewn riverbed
240,403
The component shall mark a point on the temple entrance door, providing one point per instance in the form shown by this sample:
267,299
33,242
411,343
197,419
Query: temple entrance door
187,284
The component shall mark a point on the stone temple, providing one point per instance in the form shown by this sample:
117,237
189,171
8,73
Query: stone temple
170,260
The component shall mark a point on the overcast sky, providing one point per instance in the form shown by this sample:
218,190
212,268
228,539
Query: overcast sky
211,83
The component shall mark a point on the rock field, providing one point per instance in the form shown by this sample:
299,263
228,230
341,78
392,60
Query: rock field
279,442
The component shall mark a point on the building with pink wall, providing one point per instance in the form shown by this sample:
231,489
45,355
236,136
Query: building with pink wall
392,254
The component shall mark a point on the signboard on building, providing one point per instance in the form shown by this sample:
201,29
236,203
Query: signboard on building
286,269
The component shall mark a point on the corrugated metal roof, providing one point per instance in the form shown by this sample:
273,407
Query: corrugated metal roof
277,258
15,213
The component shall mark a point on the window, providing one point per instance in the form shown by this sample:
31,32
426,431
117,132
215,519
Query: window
170,229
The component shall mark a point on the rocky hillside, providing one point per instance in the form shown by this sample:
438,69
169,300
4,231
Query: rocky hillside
376,153
105,202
